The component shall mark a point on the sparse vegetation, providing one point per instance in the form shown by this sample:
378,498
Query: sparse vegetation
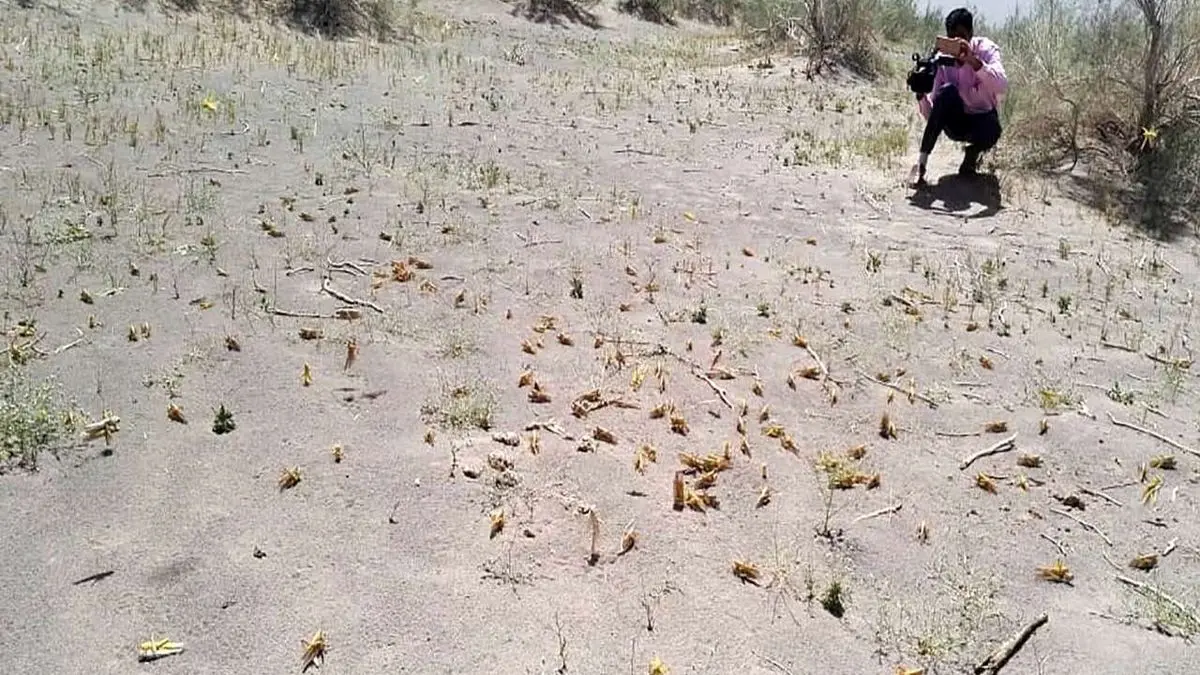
1113,89
34,418
593,313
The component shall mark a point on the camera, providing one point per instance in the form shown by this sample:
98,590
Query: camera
924,70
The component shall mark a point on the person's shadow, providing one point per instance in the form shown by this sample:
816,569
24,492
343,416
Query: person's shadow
956,194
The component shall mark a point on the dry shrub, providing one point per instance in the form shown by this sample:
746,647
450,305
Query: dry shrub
336,19
654,11
832,34
331,19
1112,87
558,12
715,12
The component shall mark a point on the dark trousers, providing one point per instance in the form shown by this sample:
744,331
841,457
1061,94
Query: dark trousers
980,130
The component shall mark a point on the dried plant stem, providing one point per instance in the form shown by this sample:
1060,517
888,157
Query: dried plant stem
1003,446
1084,523
924,399
1061,549
1148,590
1154,434
1101,495
894,508
720,392
347,299
997,659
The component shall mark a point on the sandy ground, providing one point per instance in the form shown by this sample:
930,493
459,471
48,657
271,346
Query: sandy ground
639,212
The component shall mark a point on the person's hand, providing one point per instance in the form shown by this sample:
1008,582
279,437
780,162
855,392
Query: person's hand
964,50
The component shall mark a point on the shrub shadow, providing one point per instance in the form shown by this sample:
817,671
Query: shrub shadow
556,13
1151,209
958,193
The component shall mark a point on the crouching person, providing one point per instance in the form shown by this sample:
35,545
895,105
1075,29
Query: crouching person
963,103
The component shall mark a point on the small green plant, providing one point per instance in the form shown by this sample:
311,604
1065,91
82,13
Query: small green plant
874,261
33,418
1119,395
1053,399
456,342
223,421
464,406
833,599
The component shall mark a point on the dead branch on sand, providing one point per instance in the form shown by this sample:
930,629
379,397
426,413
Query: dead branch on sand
1003,446
1084,523
1154,434
1000,657
912,394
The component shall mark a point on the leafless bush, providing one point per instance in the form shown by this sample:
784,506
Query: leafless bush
558,12
342,18
331,19
654,11
1113,84
830,33
717,12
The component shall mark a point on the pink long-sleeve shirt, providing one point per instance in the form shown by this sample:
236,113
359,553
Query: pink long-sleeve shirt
981,89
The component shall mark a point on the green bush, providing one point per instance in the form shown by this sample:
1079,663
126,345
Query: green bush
33,419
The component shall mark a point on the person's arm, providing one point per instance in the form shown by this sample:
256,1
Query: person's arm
990,78
925,103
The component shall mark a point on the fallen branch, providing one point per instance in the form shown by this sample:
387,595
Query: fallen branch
198,169
826,380
713,385
1005,445
348,266
774,663
1148,590
820,364
298,315
1169,548
957,434
1084,523
894,508
999,658
924,399
636,151
73,343
347,299
531,242
1101,495
1057,544
1154,434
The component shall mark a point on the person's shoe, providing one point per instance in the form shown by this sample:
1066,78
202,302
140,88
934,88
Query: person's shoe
916,177
970,163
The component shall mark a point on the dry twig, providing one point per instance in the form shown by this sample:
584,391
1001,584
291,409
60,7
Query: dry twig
1084,523
1148,590
914,394
1000,657
1003,446
720,392
1061,549
1101,495
346,298
894,508
1154,434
